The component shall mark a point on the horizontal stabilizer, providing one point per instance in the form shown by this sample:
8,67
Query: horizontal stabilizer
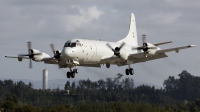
162,43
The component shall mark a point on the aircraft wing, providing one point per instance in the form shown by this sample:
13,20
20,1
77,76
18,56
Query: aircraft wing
174,49
91,65
23,57
138,57
51,61
55,61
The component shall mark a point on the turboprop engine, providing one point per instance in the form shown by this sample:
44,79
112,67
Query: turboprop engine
146,47
34,55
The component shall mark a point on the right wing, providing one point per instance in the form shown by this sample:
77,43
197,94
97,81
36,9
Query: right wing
91,65
19,58
22,57
51,61
55,61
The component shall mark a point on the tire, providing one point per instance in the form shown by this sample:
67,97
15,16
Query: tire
72,74
127,71
68,74
131,71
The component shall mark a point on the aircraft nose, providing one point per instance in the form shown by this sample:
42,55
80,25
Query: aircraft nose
68,53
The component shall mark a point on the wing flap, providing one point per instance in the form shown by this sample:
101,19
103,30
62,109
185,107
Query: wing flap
148,58
51,61
91,65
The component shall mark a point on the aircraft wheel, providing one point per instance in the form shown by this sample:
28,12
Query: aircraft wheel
131,71
68,74
107,65
127,71
72,74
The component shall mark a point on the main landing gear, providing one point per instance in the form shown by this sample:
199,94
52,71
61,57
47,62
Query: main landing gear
129,71
72,73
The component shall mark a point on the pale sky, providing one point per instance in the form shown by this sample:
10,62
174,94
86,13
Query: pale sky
56,21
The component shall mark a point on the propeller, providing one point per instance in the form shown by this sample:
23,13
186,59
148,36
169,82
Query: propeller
56,53
144,47
30,54
117,49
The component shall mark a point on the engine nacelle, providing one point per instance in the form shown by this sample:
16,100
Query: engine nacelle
152,51
39,57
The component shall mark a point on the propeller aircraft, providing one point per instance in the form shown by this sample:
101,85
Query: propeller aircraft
94,53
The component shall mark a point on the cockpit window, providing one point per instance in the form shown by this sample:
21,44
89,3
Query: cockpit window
72,44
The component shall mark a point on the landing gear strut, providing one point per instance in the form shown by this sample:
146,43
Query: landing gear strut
129,71
72,73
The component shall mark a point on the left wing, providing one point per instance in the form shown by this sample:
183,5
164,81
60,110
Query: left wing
174,49
138,57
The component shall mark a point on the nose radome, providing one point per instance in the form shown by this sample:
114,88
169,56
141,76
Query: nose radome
67,52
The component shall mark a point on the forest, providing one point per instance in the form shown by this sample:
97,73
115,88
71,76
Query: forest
110,95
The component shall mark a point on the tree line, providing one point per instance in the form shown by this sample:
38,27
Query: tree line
112,94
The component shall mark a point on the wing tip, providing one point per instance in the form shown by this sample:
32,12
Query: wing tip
191,45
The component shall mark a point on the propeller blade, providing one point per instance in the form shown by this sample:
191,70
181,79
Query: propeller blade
53,48
58,53
122,45
144,56
29,45
110,47
30,63
37,53
152,47
23,55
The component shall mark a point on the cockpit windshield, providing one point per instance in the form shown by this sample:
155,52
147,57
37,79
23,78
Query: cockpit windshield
72,44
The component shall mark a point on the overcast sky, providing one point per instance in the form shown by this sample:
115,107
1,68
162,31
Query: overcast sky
56,21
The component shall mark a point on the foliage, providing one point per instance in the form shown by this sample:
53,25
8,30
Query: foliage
179,94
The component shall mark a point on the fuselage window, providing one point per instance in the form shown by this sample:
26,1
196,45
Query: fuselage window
73,44
78,44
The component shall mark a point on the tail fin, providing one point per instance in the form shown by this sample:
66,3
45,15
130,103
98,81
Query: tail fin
131,38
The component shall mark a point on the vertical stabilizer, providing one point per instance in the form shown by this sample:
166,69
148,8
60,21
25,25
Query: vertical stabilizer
131,38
